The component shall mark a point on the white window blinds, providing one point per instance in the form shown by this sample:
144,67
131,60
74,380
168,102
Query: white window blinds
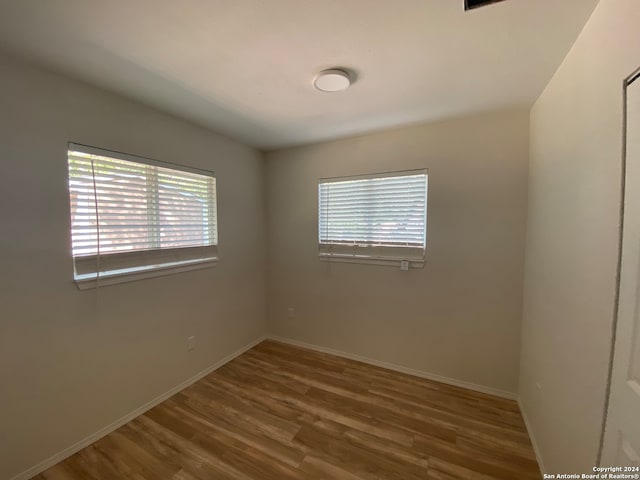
378,216
129,213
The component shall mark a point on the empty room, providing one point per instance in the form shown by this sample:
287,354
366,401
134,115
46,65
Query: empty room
304,240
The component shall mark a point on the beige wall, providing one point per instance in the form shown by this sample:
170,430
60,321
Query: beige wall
458,317
572,238
72,362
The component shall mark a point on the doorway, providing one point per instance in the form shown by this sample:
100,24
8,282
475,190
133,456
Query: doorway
621,441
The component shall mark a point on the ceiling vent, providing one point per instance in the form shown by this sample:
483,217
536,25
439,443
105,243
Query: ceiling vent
471,4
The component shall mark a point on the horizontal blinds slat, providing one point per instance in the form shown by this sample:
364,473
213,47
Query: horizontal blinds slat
368,202
133,242
105,218
120,249
358,225
140,206
388,184
125,189
390,210
122,260
356,187
111,186
117,209
368,228
373,197
333,194
362,233
371,214
125,186
143,245
123,227
354,240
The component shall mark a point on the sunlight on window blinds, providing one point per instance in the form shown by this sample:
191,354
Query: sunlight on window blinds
120,206
385,210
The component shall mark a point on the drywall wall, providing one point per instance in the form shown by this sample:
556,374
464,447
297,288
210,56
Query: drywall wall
459,316
572,238
72,362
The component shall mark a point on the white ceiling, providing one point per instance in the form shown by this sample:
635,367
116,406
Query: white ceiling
245,67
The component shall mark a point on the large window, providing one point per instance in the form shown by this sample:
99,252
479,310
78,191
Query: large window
379,217
131,215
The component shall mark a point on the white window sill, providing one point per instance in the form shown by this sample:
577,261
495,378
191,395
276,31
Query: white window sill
370,260
90,280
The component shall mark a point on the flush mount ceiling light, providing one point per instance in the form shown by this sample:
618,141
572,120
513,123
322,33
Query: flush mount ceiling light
333,80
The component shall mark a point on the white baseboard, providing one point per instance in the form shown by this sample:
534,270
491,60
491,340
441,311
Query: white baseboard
532,437
67,452
76,447
398,368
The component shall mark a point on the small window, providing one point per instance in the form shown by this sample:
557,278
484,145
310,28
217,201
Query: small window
378,218
131,215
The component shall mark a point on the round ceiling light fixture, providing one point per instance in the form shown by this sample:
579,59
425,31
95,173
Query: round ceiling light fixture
332,80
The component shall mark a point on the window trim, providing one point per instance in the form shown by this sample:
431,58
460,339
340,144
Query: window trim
89,280
362,253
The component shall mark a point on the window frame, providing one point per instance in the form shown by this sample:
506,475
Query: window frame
367,253
160,261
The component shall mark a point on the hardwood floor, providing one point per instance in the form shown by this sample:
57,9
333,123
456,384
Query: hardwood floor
279,412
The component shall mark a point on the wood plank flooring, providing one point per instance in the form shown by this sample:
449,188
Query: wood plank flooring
284,413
